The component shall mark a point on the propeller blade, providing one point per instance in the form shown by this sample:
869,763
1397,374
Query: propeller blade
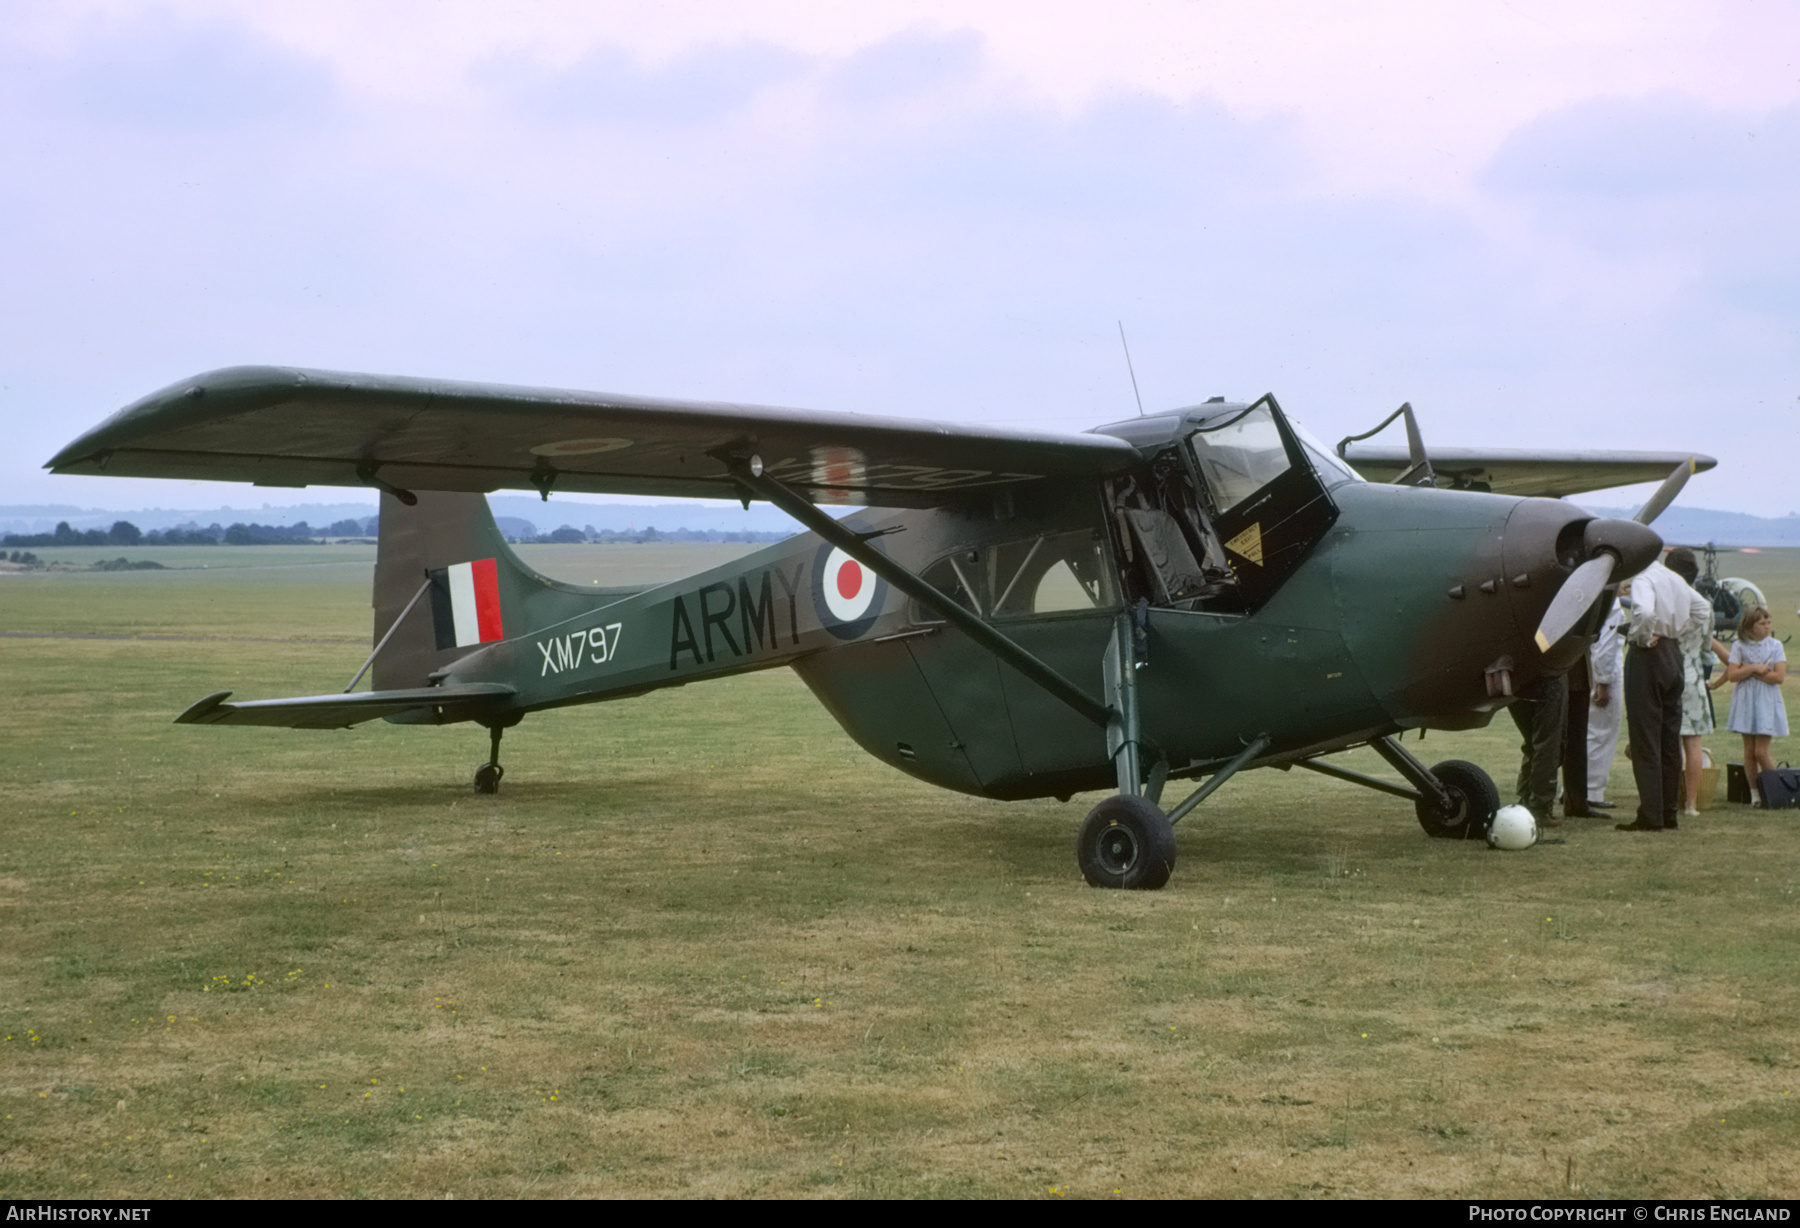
1665,494
1572,600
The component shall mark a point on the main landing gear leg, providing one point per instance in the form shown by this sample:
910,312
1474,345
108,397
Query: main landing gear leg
1456,800
1126,841
487,776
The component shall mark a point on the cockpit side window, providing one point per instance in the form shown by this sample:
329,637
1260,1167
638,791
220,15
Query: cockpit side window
958,577
1240,457
1049,573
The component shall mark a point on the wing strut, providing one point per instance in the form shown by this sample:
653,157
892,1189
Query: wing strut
1416,773
749,473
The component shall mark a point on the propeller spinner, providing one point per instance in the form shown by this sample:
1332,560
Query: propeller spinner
1607,543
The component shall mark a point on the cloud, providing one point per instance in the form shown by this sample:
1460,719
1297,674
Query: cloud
907,65
893,229
609,85
1119,160
158,74
1639,149
1715,190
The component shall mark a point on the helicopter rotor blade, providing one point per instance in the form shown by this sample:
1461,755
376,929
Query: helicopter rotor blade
1572,600
1665,494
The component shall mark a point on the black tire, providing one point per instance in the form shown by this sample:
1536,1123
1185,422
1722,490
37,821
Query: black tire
487,778
1476,801
1126,842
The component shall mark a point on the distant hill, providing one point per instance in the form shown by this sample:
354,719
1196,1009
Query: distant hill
525,516
520,516
44,517
1695,526
629,517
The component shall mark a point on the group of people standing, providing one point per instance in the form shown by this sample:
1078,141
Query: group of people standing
1650,664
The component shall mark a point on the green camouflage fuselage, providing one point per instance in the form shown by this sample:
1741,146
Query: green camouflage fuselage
1364,637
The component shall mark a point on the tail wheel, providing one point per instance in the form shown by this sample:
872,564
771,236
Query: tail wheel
1126,842
1474,802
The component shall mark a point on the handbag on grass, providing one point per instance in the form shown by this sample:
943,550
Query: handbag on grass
1780,788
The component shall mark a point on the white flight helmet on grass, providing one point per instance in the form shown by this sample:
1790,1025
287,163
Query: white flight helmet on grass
1513,829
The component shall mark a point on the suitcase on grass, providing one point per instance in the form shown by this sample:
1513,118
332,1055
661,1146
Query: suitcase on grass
1780,789
1737,785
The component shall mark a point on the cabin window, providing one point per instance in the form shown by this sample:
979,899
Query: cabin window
1050,573
958,577
1241,457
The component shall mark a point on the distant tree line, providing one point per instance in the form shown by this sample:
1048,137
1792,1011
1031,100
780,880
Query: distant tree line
570,535
26,558
124,533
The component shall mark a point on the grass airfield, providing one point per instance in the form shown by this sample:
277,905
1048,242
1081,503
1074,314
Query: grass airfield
700,945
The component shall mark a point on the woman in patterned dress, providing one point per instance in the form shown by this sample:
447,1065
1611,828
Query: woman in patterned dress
1696,707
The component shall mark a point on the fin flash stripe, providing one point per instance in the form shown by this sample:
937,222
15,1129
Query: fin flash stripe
465,604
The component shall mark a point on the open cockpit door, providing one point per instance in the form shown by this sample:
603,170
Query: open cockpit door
1267,505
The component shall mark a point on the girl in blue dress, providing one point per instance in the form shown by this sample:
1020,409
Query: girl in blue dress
1758,666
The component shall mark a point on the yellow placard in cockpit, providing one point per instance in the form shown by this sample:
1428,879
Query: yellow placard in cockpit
1248,544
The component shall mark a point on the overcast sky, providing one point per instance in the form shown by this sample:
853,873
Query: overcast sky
1556,225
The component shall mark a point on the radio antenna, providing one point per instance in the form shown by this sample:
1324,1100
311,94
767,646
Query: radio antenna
1128,367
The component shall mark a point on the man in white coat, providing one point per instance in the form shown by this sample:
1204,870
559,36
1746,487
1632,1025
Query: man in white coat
1606,704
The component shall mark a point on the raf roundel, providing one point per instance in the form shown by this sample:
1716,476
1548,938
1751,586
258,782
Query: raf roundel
847,596
849,587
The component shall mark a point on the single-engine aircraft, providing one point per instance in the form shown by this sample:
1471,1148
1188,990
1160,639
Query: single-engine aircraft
1013,614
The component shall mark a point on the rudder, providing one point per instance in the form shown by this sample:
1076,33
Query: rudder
443,564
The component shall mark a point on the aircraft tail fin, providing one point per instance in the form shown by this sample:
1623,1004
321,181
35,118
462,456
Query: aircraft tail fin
447,583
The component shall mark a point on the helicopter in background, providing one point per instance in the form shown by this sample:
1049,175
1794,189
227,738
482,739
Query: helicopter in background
1730,596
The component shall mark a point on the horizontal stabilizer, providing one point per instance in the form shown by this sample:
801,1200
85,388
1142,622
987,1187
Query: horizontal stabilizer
449,703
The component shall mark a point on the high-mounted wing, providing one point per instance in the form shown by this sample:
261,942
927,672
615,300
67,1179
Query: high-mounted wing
278,426
1518,472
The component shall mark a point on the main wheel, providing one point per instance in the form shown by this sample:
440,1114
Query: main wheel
1475,800
1126,842
487,778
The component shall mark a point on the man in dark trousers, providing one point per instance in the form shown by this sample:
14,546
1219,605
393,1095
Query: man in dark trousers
1540,712
1662,605
1574,745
